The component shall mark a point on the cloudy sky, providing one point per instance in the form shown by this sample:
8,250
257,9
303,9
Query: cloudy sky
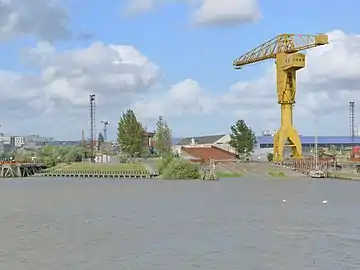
170,58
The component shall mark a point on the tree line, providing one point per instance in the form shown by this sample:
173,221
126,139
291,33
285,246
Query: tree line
131,134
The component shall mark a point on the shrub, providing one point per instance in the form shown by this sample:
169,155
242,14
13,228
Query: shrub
49,162
270,157
163,163
181,169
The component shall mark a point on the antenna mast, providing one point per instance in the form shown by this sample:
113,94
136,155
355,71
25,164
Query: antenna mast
352,126
92,124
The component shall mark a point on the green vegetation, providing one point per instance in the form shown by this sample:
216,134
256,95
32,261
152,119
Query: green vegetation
163,163
105,167
130,134
242,139
276,174
176,169
270,157
53,155
162,138
227,174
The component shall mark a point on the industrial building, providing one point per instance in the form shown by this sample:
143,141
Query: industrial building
205,148
216,145
309,141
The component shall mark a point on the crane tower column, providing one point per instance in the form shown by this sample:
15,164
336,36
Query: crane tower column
287,135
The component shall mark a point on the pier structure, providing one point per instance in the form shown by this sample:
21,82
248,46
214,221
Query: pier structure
305,165
13,169
97,174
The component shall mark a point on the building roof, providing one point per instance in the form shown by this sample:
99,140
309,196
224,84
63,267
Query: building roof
207,153
64,143
311,140
201,140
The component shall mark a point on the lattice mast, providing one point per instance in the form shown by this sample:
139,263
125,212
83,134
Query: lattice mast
285,50
92,124
352,126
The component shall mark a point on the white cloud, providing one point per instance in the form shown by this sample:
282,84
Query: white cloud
43,19
183,98
117,74
208,12
225,12
326,85
106,70
137,6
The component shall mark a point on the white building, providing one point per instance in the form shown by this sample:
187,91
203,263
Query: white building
17,141
5,139
220,141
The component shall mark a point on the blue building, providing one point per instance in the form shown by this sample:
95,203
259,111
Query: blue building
309,141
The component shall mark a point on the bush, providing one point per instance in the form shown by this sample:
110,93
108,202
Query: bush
49,162
164,162
123,159
270,157
181,169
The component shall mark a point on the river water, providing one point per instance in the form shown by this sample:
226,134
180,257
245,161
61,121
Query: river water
179,225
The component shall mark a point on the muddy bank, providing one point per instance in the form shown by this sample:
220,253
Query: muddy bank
263,169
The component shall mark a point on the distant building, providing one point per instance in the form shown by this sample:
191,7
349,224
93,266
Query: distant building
63,143
220,141
37,138
5,147
309,141
149,139
5,139
268,132
17,141
205,148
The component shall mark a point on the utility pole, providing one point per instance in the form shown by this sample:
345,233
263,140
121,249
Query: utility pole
106,123
352,126
92,124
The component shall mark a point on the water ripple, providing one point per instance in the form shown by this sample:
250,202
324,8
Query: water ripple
239,224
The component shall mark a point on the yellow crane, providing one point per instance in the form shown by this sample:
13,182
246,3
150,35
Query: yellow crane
285,50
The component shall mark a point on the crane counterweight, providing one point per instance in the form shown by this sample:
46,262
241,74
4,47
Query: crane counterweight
285,49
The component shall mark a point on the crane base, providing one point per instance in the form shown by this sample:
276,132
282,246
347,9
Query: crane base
284,135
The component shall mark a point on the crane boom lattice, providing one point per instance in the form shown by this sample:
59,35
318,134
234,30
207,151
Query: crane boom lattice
285,49
285,43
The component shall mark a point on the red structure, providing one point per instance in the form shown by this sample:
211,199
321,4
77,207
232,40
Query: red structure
149,139
204,154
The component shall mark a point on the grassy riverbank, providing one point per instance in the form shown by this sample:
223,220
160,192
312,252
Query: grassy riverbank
344,176
228,174
276,173
98,167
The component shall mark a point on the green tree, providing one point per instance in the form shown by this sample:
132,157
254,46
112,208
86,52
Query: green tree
130,134
242,138
51,155
163,136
